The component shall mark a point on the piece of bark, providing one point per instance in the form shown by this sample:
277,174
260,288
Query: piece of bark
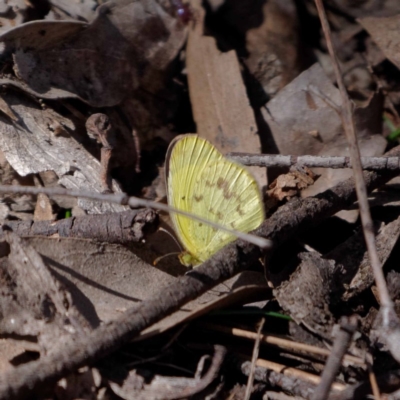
218,96
124,227
305,296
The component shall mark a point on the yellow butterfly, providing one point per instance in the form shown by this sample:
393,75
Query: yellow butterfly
200,180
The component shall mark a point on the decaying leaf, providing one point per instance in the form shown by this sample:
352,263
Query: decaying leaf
291,184
303,120
84,9
220,106
274,46
385,32
33,303
38,142
127,227
102,62
107,279
43,209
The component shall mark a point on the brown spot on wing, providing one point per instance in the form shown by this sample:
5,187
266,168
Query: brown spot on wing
223,184
239,210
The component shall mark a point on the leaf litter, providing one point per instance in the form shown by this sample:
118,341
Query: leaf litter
250,79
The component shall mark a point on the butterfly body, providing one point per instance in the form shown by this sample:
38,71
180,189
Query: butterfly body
200,180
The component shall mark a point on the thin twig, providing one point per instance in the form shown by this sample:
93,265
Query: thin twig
278,160
389,316
291,380
342,341
282,343
256,351
372,377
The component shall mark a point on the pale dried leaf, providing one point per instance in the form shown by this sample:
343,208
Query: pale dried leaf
107,279
43,209
33,302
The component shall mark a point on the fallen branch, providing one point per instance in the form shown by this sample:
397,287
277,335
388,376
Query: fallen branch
278,160
123,227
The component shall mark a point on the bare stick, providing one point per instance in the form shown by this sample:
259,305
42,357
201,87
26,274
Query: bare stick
372,377
348,125
256,351
291,380
278,160
347,328
282,343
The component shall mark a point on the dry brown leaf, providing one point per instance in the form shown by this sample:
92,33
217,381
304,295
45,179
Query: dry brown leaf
291,184
273,47
218,96
303,121
385,33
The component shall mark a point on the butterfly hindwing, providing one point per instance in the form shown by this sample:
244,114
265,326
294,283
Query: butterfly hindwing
203,182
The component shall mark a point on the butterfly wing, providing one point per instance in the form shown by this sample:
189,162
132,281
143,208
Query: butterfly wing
201,181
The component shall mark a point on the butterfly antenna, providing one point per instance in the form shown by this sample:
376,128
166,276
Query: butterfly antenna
172,236
158,259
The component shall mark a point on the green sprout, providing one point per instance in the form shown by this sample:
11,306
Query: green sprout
394,132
